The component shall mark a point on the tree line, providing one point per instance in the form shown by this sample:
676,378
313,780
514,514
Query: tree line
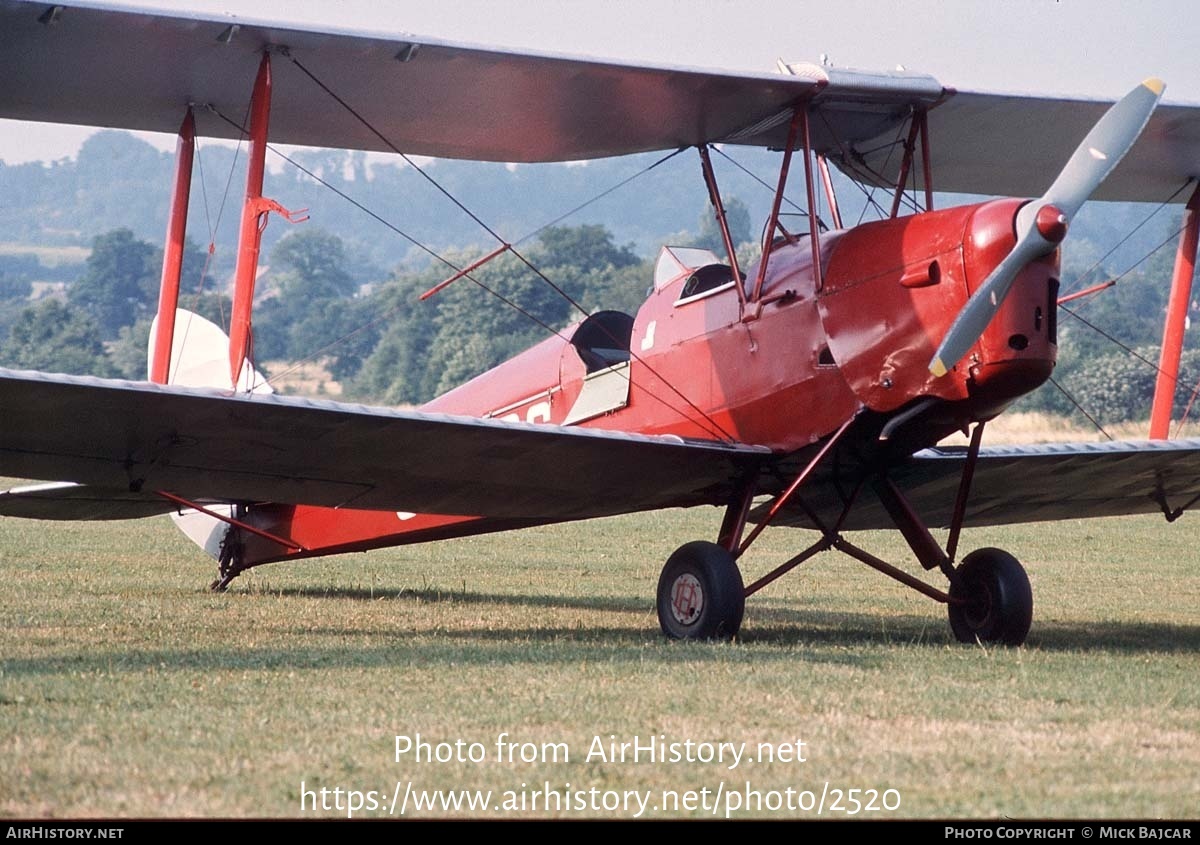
317,301
376,337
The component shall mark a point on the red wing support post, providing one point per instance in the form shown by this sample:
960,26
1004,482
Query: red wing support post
1176,322
919,130
254,219
168,296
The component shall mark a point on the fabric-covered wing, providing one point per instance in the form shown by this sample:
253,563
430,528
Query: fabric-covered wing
1015,484
68,500
973,136
137,438
100,65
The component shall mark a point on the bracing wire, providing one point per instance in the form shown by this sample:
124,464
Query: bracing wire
435,255
1079,279
1080,408
516,254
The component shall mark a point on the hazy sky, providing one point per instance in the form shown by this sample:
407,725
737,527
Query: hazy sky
1091,47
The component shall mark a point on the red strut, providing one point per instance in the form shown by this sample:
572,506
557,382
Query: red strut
1177,309
168,291
250,235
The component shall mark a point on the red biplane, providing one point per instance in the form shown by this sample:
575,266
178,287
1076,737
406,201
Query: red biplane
810,389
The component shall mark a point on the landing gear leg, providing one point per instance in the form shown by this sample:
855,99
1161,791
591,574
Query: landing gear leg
229,564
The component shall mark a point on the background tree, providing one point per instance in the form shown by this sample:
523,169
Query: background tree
120,283
54,337
737,216
427,348
309,275
310,264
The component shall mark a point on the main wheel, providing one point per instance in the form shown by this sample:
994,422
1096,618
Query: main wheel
700,593
996,599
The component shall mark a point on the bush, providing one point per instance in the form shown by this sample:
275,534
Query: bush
1119,387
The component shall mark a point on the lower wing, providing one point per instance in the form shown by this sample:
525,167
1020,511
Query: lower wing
125,443
1015,484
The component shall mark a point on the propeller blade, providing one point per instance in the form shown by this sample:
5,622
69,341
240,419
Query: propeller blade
971,321
1042,223
1104,147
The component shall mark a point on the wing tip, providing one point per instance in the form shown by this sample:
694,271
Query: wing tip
1156,85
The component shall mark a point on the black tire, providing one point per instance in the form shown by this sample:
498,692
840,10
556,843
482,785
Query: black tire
998,601
700,593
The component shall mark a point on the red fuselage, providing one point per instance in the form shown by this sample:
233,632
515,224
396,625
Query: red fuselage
784,370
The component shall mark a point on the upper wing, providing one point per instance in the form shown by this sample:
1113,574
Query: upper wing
103,66
1015,144
135,439
1014,484
97,64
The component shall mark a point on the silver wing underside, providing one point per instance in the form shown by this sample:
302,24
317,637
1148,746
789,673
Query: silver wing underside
1019,484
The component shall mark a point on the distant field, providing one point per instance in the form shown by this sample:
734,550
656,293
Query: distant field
1033,427
49,256
127,689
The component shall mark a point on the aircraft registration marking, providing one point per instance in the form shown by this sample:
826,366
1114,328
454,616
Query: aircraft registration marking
539,413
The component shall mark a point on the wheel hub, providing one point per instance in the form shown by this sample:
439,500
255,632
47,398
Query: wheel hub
687,599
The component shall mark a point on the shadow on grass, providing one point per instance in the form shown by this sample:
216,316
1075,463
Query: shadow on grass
857,640
432,595
457,649
790,626
784,625
1118,637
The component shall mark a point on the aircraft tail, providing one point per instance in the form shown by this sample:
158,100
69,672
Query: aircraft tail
200,358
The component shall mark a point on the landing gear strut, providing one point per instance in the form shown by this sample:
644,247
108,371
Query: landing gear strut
701,594
229,564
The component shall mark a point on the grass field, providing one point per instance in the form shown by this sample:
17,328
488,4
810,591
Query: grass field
127,689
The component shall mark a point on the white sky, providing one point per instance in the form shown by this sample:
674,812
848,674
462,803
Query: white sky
1091,47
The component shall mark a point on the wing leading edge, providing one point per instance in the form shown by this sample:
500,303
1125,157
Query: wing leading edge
134,439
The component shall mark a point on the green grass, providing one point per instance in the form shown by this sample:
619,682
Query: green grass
127,689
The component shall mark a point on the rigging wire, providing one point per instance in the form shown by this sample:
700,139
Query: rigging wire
596,198
1168,239
1108,336
516,254
1174,379
1079,279
860,165
213,226
857,161
1080,408
1187,410
431,252
391,311
1111,339
799,209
